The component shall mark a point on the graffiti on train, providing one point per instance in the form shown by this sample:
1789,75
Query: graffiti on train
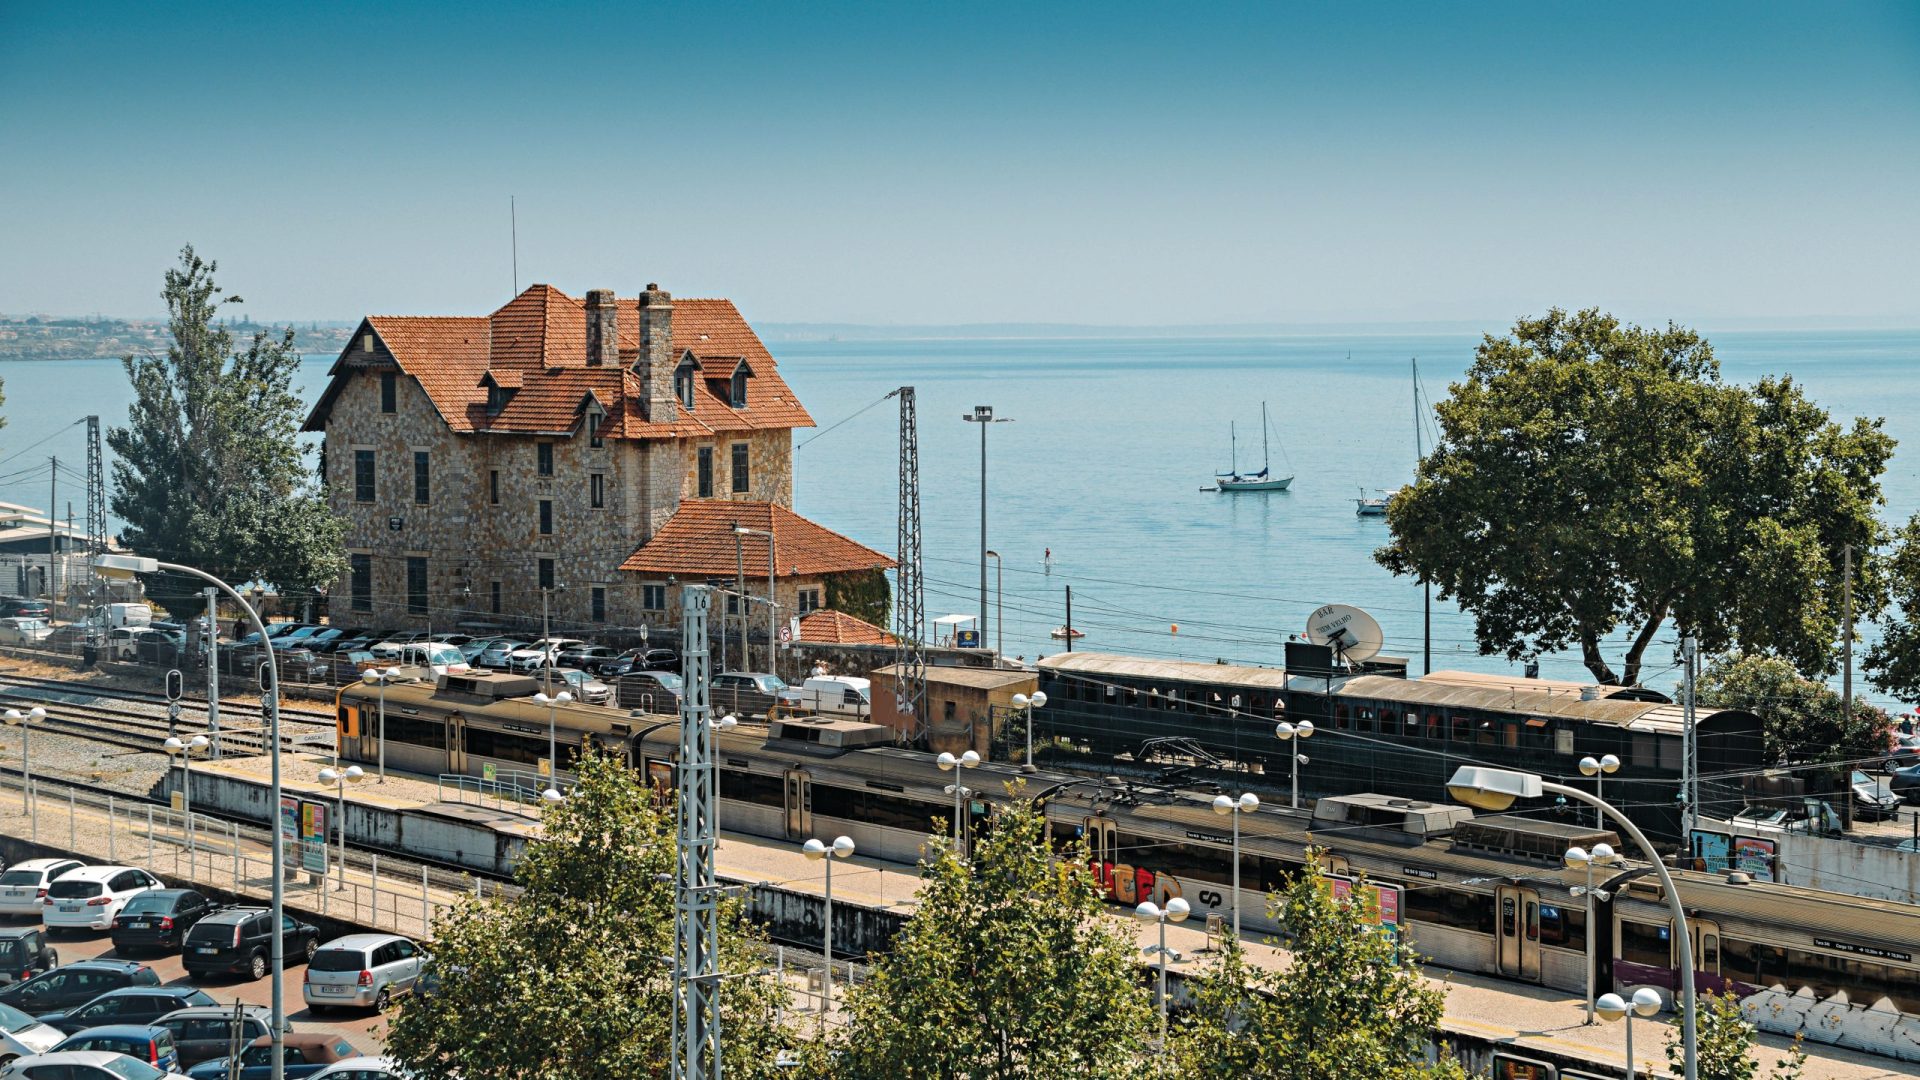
1133,884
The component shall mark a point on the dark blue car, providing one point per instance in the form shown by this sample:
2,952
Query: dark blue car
144,1042
306,1053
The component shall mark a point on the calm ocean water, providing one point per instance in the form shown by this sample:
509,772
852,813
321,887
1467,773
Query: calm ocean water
1110,442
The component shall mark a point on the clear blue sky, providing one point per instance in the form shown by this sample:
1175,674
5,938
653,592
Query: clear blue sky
1107,163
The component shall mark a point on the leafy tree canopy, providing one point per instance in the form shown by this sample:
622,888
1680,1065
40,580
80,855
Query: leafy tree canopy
1724,1039
572,979
209,470
1803,720
1351,1002
1011,967
1593,477
1893,662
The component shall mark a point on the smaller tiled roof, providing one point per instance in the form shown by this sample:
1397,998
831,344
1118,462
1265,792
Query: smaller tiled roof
698,542
830,627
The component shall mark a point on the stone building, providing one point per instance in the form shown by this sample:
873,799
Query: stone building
486,463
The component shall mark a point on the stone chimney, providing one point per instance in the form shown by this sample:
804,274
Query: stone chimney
603,329
656,362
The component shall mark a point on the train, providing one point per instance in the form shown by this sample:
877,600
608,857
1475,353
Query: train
1478,893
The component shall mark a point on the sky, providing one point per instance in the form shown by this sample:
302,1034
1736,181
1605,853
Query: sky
1112,163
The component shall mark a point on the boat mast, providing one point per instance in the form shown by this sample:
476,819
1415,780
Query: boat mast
1265,465
1426,589
1233,454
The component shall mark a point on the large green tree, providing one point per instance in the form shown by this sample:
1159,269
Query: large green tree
1893,662
209,470
1593,477
1803,720
1350,1002
572,978
1012,966
1724,1042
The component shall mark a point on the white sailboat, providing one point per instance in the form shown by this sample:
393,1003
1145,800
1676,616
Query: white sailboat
1264,480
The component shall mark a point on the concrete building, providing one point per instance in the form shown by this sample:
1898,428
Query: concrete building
588,452
964,704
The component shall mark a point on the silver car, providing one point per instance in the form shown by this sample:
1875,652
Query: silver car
584,687
363,971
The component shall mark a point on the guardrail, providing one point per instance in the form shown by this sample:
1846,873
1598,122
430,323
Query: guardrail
508,790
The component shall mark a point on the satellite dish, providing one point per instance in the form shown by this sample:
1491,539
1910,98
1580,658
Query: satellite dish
1353,634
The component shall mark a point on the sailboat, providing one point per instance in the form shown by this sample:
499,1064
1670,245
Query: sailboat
1264,480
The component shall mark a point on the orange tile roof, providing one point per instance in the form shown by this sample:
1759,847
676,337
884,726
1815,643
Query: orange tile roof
698,542
536,345
831,627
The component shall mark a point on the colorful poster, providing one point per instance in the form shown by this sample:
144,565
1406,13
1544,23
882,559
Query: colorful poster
313,836
1386,898
1755,856
1712,851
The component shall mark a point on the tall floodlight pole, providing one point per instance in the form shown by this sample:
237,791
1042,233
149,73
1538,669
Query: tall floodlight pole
910,598
1689,745
270,712
983,415
696,896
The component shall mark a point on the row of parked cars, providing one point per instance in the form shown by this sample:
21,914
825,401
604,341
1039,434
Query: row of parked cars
111,1019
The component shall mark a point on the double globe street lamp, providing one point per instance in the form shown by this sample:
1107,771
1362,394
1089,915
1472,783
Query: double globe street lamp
1245,804
340,778
1026,703
949,763
1612,1008
1579,858
842,847
184,751
1286,732
381,679
1176,911
25,721
1599,768
552,702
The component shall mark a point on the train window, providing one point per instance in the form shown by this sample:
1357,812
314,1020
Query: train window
1565,927
1644,754
416,732
1483,734
1436,726
506,746
1340,716
1670,752
875,808
1389,719
1267,874
1188,862
741,786
1563,740
1510,735
1450,907
1461,727
1364,720
1645,943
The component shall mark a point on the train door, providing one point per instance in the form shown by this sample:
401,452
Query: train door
1706,947
456,743
1517,932
799,802
1102,851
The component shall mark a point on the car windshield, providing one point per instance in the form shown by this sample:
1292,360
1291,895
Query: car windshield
132,1070
148,903
337,960
69,889
20,877
10,952
116,1044
12,1019
668,679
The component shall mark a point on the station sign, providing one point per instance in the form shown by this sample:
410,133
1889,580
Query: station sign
966,639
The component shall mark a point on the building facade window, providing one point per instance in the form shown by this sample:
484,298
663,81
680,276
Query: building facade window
364,488
705,471
593,431
740,468
683,385
738,390
389,392
546,573
597,490
416,585
360,569
493,591
546,517
493,486
599,596
544,456
653,597
809,600
422,477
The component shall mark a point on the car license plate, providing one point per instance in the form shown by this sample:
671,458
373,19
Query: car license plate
70,908
207,950
333,989
140,924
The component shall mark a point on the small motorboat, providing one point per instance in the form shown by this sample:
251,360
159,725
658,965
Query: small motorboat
1063,633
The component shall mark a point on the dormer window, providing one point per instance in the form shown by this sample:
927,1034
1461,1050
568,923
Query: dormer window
683,381
737,390
593,430
496,399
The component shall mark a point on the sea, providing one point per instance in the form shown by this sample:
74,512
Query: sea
1095,478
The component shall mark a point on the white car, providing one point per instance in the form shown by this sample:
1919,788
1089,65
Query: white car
584,687
89,898
363,1068
22,1035
23,888
540,653
24,631
82,1065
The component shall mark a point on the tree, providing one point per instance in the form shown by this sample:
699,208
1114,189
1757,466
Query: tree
1592,477
1351,1002
1893,662
1802,720
573,977
1010,967
209,471
1724,1039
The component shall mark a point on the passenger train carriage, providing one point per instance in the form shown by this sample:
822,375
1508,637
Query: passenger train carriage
1485,894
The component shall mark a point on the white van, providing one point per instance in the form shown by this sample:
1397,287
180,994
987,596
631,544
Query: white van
116,616
844,696
442,658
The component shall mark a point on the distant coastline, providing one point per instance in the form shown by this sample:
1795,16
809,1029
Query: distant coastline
41,338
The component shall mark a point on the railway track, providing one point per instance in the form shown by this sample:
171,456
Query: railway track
154,697
148,732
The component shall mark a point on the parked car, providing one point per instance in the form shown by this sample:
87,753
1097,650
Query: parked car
472,649
89,898
585,657
1905,752
364,1068
639,660
158,920
128,1005
141,1042
81,1065
349,639
204,1032
539,654
240,940
1904,783
14,607
361,970
305,1053
751,682
1873,800
24,630
75,984
24,953
498,652
22,1035
845,696
583,687
23,888
660,689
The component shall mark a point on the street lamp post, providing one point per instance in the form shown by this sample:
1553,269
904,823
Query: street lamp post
185,751
1285,732
25,721
381,679
553,703
340,778
1245,804
1579,858
983,415
772,608
1496,789
133,564
950,763
1646,1002
1176,910
1026,703
1598,768
999,608
815,850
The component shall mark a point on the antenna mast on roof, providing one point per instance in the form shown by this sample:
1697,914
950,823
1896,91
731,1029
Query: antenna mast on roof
513,231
